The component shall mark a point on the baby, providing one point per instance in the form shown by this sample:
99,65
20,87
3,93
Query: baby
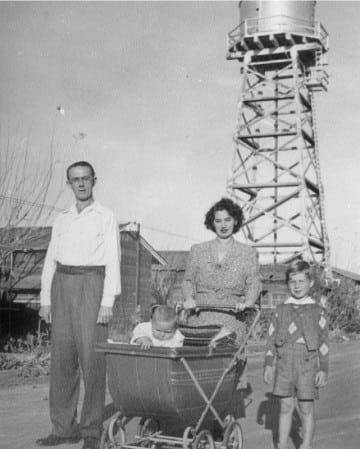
161,331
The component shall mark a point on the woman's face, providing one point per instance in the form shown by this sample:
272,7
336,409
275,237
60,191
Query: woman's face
224,224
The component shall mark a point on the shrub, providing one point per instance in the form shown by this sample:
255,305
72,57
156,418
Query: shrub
30,343
30,356
342,305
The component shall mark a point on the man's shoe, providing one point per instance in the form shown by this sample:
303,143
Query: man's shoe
91,443
55,440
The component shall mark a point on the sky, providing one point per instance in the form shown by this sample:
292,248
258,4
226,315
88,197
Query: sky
144,92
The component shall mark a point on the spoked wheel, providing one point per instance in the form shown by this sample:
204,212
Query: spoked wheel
188,437
233,436
114,435
147,427
204,440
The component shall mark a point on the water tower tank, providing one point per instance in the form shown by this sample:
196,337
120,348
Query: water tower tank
278,16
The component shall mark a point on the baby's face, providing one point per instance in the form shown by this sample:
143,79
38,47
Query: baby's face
163,330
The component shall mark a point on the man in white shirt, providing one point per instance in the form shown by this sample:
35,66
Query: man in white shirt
80,279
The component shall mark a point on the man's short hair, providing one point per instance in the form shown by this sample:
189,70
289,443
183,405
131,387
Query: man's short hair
80,164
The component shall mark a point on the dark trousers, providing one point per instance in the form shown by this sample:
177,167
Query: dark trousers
76,294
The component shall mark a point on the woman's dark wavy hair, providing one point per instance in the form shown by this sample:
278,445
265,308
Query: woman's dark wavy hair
231,208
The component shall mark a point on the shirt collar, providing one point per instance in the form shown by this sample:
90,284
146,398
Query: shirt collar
93,206
300,302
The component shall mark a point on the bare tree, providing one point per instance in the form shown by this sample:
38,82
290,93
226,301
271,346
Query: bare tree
25,180
162,284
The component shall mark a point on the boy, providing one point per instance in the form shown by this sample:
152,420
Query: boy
161,331
298,337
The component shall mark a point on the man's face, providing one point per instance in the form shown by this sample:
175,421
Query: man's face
81,183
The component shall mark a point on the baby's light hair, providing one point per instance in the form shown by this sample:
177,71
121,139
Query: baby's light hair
299,266
165,314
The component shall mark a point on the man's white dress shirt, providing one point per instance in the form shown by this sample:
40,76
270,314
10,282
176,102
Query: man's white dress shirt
90,237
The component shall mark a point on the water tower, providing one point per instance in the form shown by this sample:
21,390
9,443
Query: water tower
275,175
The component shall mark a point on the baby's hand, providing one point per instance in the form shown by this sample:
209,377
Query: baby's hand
144,342
268,374
321,379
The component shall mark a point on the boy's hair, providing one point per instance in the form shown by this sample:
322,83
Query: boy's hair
299,266
164,313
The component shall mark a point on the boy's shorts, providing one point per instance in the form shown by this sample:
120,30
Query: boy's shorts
295,373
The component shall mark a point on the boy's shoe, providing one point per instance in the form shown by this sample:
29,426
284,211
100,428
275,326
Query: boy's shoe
55,440
91,443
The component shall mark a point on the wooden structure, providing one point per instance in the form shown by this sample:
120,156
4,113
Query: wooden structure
275,174
273,278
172,274
20,280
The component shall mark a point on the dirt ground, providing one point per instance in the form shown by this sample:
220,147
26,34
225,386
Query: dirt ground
24,408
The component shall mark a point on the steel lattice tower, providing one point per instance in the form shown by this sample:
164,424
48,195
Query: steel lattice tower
275,174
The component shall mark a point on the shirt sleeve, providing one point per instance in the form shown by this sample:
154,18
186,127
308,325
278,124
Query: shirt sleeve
188,284
49,269
253,280
178,339
323,341
112,282
140,330
270,344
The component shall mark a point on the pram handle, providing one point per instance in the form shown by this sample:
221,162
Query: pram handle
215,307
220,307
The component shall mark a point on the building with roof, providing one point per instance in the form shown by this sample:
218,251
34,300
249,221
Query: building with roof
21,268
273,278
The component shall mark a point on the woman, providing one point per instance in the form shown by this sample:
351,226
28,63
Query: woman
222,271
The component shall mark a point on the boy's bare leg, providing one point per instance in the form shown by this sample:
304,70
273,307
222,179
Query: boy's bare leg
308,419
287,406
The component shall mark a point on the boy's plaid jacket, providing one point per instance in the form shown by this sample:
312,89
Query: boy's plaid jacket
307,324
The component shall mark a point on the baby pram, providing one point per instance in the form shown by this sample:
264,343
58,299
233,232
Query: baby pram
180,391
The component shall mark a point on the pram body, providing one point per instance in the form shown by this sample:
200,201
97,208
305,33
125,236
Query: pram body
157,383
180,391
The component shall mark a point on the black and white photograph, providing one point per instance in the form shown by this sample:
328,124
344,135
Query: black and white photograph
179,224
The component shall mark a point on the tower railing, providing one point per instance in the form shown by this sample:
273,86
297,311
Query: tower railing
278,24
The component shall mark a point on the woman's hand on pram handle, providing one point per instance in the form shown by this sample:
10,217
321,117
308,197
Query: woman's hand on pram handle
188,304
185,309
243,306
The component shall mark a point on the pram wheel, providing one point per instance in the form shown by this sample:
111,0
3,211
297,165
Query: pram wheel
188,437
233,436
147,427
114,435
204,440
